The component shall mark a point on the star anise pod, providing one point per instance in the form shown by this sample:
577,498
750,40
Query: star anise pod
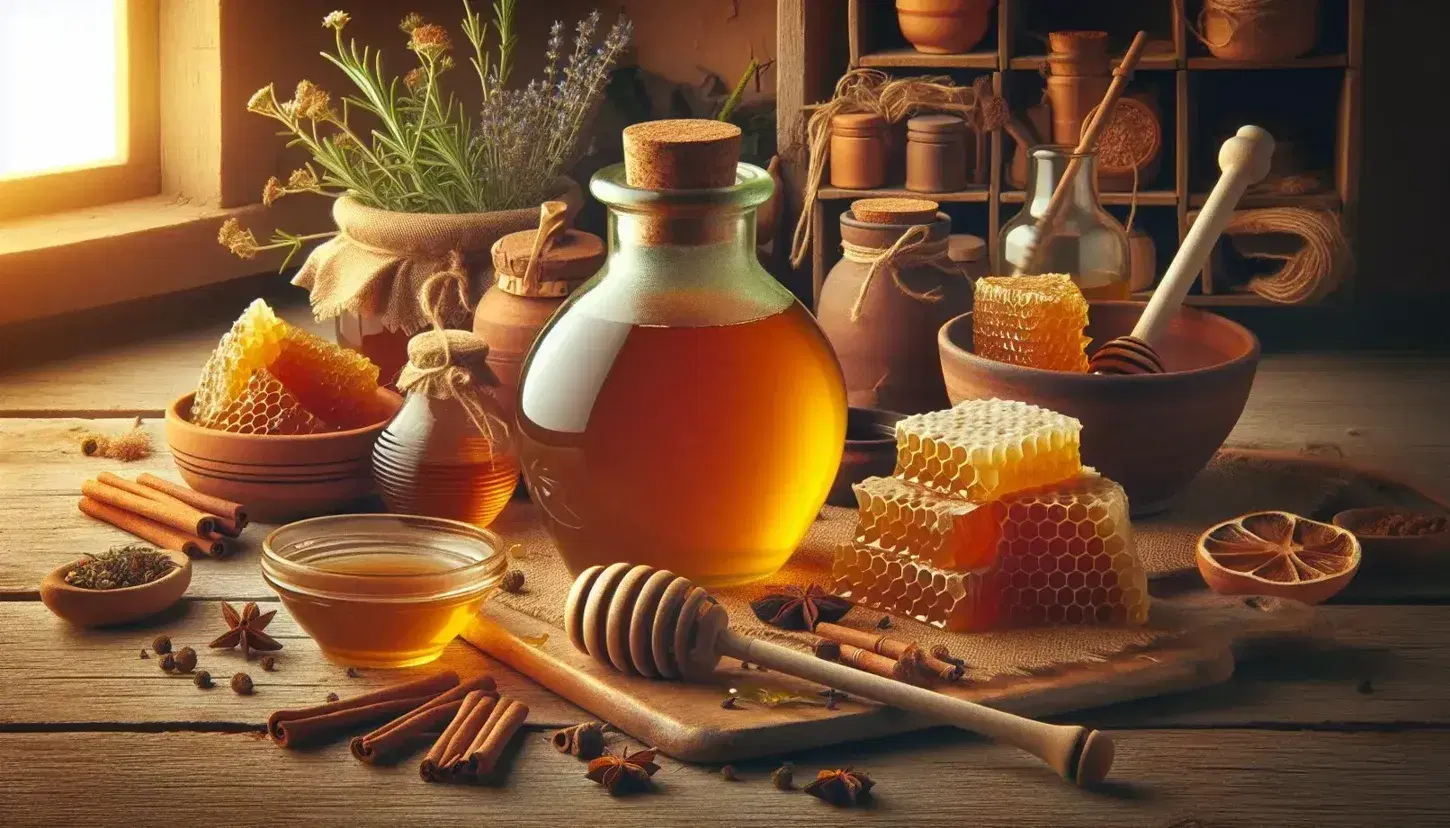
794,608
246,629
626,773
841,787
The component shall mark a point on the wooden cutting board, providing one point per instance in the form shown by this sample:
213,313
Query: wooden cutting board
686,721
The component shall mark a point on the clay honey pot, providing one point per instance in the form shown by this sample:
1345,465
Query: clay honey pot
110,607
1420,556
278,477
870,451
1150,432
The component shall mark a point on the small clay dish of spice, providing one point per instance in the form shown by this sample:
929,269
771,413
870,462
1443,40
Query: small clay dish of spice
870,451
1399,542
105,606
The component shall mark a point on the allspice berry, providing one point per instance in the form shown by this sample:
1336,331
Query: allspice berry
783,778
727,773
202,679
269,663
242,684
513,581
185,660
161,644
168,662
332,697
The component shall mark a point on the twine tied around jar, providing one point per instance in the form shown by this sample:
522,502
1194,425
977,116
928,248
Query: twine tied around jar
913,249
1237,13
449,364
875,92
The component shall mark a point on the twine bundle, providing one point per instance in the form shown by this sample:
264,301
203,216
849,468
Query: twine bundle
913,249
449,364
1310,272
873,91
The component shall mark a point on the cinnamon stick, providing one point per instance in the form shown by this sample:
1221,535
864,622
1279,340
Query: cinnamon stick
432,769
151,531
483,755
183,518
888,646
383,743
907,669
467,732
312,725
225,527
234,512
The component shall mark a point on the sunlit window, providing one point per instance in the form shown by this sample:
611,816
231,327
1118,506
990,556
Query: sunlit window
60,85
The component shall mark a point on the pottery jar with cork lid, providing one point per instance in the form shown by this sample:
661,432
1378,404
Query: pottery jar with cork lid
944,27
883,303
1078,76
535,272
1259,30
936,154
859,148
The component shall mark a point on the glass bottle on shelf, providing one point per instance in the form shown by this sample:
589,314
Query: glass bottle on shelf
1086,241
682,409
448,452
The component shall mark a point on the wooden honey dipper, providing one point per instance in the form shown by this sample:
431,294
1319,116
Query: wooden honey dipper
652,622
1244,160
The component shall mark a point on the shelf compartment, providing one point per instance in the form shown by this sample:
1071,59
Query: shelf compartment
909,58
1146,198
972,196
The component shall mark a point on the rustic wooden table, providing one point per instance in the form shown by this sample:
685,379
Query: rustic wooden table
1350,731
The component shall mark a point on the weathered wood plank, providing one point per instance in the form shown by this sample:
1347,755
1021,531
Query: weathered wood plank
58,675
1403,651
1165,778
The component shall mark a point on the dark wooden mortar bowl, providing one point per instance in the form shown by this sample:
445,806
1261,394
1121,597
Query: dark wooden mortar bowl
1152,433
870,451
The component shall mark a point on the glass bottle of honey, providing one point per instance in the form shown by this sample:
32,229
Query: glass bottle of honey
1085,242
682,410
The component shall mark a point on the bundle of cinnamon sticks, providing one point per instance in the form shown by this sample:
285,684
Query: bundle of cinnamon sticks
886,656
473,721
163,513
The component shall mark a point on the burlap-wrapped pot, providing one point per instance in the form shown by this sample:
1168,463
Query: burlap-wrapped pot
369,275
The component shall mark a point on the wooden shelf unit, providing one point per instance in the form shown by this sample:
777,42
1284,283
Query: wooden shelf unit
818,42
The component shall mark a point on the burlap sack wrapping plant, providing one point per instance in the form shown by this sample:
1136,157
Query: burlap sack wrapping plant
377,263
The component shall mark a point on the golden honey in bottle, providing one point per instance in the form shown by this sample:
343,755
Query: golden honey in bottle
682,410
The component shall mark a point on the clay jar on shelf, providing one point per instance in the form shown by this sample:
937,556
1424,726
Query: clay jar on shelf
936,154
1259,30
969,254
536,270
881,310
944,27
1079,76
859,147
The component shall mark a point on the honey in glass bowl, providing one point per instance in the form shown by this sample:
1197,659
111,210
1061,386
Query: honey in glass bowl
382,590
682,409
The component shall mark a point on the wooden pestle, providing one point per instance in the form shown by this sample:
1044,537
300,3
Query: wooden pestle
645,621
1244,160
1087,144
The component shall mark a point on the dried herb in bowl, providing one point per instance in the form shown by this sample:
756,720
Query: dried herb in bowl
120,567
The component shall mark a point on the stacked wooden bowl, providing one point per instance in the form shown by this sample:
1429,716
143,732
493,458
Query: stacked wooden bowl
278,477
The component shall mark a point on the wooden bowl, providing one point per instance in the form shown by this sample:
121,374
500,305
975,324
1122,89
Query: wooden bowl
279,478
870,451
1422,556
108,607
1151,433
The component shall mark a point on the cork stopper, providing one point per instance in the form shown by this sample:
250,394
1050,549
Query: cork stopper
548,262
681,154
936,124
894,210
858,124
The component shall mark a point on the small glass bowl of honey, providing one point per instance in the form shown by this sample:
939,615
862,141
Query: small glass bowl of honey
382,590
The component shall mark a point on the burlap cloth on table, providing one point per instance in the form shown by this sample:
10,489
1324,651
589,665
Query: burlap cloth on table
1230,486
376,264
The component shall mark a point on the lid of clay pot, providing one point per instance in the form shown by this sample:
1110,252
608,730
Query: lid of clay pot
964,247
681,154
894,210
1088,43
936,124
857,123
569,261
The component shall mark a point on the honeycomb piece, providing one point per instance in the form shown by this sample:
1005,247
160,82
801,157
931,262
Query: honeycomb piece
265,406
1065,555
910,520
981,450
253,342
332,384
1035,321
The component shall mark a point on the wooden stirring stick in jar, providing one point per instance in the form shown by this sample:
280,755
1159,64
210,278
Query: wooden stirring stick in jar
1088,144
1244,160
650,622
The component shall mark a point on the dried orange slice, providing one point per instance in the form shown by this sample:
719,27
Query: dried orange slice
1278,554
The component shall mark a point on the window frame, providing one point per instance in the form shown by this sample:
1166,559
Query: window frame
137,173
